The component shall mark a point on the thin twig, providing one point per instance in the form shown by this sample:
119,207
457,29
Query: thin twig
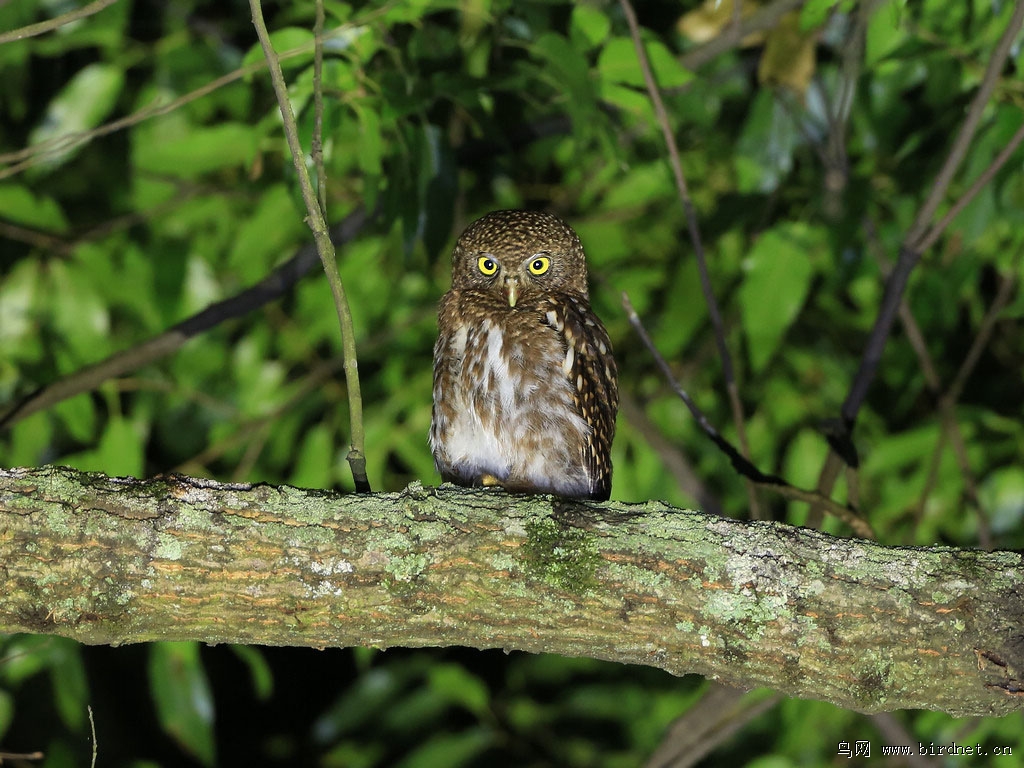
92,729
56,22
740,463
325,248
691,222
318,107
965,137
988,324
21,756
910,250
28,156
979,183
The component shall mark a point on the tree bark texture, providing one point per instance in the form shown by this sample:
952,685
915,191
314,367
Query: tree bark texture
864,626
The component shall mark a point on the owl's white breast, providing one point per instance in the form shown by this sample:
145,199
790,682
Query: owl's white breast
512,412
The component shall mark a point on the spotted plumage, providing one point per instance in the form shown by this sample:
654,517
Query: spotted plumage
525,385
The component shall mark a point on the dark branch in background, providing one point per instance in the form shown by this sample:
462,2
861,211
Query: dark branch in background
691,223
740,463
272,287
920,236
946,401
722,712
839,431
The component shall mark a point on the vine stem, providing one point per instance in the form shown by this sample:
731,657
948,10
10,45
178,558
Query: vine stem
325,248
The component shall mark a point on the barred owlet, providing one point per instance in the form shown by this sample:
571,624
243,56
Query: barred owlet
525,386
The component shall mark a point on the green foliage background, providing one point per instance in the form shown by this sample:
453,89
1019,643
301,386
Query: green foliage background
437,112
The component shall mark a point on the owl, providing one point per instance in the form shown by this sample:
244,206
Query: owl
525,385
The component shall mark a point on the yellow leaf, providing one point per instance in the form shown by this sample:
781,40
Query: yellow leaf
713,19
788,57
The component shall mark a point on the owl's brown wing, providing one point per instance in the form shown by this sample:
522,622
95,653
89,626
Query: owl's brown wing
591,370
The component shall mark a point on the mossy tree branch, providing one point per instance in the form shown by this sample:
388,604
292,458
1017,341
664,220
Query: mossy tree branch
867,627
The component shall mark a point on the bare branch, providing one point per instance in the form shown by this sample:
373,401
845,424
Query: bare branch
56,22
740,463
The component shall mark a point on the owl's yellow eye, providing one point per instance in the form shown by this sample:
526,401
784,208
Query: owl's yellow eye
540,265
487,265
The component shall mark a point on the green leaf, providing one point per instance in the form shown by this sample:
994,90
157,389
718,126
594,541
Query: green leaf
79,416
902,449
885,31
283,41
567,64
315,460
815,13
120,451
775,286
81,105
70,688
449,750
459,686
684,313
376,690
190,152
588,26
20,290
804,457
181,693
371,142
30,441
6,712
1002,496
618,63
764,153
259,670
82,317
268,231
25,656
21,206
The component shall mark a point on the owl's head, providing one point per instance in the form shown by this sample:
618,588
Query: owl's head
520,254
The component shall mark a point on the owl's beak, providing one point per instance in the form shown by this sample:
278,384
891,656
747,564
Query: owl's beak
512,290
